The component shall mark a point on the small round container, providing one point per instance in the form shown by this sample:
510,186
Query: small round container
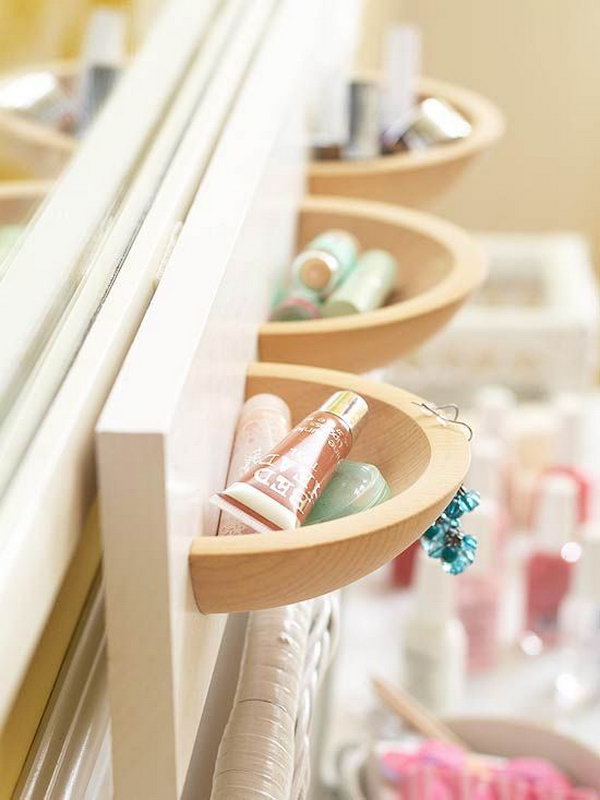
327,260
354,487
298,304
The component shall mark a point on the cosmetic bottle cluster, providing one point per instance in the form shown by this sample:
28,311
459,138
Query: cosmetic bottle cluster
281,479
539,541
361,118
68,104
333,277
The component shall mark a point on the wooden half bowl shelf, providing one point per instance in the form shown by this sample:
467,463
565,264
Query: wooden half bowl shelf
415,178
423,459
30,149
440,266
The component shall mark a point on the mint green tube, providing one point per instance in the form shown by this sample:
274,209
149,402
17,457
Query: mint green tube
367,286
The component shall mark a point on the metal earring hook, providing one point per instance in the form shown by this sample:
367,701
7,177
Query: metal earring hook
453,420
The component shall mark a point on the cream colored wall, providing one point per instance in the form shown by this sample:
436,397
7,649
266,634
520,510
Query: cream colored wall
540,61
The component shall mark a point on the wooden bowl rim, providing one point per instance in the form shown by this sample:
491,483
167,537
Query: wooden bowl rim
466,274
486,119
447,467
25,189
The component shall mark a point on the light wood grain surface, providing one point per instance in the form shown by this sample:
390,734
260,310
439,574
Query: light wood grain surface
439,267
423,460
419,177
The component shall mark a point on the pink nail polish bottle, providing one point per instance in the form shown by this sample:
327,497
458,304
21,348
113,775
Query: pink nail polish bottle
570,410
549,566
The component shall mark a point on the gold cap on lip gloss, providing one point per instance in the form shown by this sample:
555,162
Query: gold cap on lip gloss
350,407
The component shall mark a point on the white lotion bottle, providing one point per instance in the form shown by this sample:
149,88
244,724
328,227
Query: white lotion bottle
435,644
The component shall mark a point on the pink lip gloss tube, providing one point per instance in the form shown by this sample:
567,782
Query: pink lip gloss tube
263,422
279,491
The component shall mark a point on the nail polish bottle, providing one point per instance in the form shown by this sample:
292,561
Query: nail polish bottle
325,262
479,593
366,287
403,566
568,456
579,627
435,646
531,440
354,487
549,566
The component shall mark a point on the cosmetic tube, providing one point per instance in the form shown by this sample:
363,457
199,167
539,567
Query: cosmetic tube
366,288
103,58
363,135
549,566
39,96
263,422
579,627
326,261
296,305
281,490
354,487
435,645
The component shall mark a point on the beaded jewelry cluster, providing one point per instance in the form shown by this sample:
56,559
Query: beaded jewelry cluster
446,540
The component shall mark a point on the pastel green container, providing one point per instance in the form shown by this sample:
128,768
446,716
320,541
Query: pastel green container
326,261
354,487
367,286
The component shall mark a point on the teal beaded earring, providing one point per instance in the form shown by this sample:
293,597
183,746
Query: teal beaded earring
446,539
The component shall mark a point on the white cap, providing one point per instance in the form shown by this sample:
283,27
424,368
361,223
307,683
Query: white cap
435,594
570,410
493,404
105,38
486,473
587,572
556,512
